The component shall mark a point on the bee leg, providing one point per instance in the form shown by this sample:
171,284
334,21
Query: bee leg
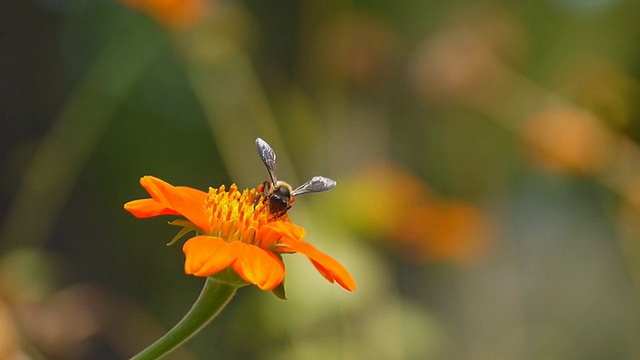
261,193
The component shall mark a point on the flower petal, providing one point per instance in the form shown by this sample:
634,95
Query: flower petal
185,201
207,255
258,266
271,233
146,208
325,264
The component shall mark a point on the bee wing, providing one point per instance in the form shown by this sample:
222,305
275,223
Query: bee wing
268,157
316,184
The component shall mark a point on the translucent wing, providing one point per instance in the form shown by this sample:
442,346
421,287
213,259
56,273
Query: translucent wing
268,157
316,184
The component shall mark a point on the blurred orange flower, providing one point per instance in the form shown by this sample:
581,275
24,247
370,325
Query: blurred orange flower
419,223
449,231
565,138
174,14
234,231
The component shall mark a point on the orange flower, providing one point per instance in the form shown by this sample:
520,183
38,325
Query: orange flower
447,230
175,14
234,231
566,138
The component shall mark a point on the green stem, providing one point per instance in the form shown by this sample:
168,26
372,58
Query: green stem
213,298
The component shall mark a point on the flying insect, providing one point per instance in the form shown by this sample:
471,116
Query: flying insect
278,194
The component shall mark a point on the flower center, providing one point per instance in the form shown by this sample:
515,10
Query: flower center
235,215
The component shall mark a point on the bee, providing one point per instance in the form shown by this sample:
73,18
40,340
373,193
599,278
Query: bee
279,195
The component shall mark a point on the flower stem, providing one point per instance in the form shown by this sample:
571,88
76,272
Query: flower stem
213,298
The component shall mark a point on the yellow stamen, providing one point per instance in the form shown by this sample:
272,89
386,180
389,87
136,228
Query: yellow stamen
235,215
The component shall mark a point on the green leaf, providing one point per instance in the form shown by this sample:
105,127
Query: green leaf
187,227
279,291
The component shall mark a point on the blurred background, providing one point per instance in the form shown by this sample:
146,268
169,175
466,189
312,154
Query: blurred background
486,154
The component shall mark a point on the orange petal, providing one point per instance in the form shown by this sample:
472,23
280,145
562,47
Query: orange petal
207,255
272,232
325,264
258,266
290,230
146,208
183,200
198,195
